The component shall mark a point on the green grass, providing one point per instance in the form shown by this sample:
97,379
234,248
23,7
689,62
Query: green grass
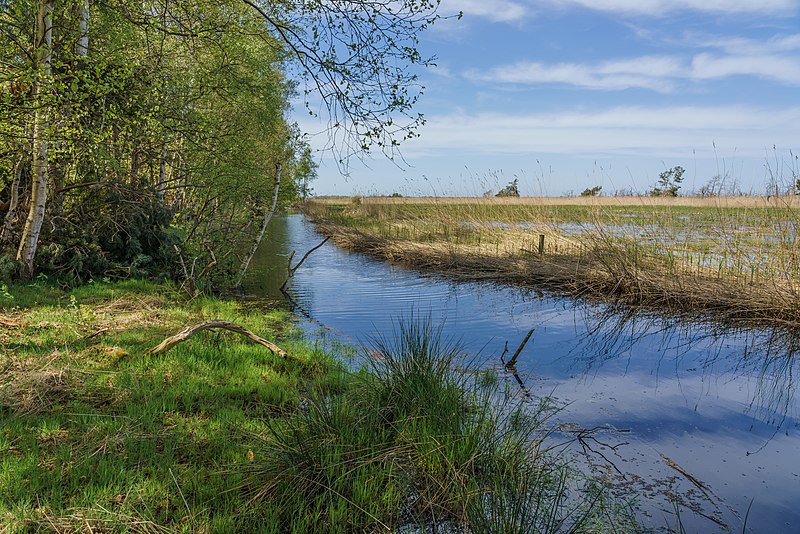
419,440
95,433
219,435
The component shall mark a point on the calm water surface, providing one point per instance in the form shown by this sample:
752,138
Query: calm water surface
710,417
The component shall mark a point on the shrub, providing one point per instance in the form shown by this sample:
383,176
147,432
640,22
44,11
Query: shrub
669,182
511,190
116,231
592,191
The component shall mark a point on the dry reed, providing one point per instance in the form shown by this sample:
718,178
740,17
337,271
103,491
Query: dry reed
738,281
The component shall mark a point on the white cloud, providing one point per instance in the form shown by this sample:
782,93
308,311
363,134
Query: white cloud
510,11
782,69
662,7
441,70
493,10
744,46
773,59
649,72
640,131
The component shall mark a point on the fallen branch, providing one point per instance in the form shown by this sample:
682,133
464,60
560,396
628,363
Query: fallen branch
189,331
702,487
97,333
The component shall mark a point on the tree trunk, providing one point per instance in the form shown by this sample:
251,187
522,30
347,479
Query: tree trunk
267,217
41,127
83,40
162,175
13,202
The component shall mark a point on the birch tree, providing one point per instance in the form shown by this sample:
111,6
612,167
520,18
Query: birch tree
41,125
169,129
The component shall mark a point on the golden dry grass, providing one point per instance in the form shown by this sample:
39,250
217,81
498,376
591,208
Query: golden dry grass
597,264
698,202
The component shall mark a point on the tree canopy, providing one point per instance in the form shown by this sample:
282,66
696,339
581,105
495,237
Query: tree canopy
144,137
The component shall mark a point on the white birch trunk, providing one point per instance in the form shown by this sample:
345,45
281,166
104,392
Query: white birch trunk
41,127
260,236
83,40
162,176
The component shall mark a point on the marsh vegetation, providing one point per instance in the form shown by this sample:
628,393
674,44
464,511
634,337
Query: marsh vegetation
667,395
735,259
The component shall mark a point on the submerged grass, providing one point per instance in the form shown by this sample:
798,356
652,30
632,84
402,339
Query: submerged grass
218,435
731,259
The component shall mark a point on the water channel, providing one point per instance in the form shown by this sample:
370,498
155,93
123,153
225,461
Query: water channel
688,417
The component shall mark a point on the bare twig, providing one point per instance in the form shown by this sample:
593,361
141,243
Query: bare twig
291,270
211,264
186,504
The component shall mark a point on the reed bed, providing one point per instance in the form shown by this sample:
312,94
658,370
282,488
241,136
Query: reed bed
729,259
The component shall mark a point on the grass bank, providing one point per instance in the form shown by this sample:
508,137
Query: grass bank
220,435
729,259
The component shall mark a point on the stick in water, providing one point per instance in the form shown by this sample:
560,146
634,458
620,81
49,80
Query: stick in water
513,361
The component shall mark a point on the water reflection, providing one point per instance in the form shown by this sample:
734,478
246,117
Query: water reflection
711,415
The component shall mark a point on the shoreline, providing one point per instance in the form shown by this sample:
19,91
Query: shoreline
228,434
606,273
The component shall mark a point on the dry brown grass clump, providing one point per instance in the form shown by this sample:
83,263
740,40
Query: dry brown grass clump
31,388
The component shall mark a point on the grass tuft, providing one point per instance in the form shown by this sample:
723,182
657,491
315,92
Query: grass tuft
418,443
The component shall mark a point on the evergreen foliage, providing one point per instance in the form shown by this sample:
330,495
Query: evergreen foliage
592,191
669,182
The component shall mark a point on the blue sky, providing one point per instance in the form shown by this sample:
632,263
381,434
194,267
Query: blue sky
568,94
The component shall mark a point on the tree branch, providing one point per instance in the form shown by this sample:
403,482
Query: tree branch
189,331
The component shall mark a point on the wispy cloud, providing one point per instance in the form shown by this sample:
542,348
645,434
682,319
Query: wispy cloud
744,46
513,11
648,72
774,59
662,7
641,131
778,68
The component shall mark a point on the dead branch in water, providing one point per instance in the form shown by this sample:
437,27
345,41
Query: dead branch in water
513,361
189,331
291,270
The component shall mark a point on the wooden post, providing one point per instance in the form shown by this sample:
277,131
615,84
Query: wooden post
541,244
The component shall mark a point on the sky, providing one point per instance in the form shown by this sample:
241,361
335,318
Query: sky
563,95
